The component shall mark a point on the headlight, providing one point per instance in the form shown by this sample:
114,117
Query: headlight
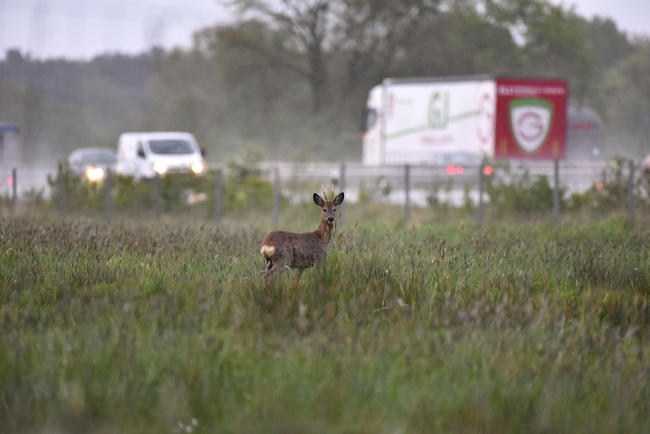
197,167
94,174
159,168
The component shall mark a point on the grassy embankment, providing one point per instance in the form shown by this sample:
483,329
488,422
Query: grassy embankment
162,328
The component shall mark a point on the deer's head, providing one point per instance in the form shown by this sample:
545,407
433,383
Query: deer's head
328,206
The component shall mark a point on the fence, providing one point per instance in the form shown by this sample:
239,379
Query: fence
407,186
422,186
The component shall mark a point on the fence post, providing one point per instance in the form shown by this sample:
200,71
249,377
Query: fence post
407,194
630,195
61,193
157,199
218,193
481,187
276,196
342,189
108,187
556,191
14,191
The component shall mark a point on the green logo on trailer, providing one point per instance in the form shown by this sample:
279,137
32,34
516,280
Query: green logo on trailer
530,122
438,115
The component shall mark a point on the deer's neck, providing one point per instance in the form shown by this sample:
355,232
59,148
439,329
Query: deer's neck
325,231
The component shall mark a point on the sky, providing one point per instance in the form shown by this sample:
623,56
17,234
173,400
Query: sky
81,29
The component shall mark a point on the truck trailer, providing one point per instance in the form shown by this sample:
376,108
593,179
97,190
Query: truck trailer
430,121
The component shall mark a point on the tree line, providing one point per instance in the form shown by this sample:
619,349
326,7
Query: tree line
288,78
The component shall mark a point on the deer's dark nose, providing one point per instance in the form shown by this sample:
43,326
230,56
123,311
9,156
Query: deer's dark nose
330,219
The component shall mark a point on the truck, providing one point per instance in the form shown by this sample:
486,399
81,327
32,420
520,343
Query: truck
431,121
147,154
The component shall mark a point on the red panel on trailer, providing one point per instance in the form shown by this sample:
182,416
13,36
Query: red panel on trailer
531,118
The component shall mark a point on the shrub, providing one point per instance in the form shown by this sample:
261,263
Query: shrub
248,192
522,195
243,191
78,193
609,194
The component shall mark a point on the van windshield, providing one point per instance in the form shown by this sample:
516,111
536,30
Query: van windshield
99,158
171,147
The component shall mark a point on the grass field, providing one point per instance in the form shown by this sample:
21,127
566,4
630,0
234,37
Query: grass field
167,327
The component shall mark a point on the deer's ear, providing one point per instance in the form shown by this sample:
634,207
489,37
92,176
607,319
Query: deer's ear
338,200
318,200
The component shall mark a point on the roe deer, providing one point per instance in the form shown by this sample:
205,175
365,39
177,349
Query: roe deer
301,250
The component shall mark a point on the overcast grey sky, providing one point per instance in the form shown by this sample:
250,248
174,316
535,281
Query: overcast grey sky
83,28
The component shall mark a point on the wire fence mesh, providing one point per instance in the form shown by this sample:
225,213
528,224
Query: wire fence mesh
293,183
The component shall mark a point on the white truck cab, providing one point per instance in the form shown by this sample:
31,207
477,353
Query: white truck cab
143,155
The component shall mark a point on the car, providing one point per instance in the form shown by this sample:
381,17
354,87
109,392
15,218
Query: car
151,154
92,163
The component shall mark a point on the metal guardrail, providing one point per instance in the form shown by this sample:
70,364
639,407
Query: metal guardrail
573,175
406,185
24,179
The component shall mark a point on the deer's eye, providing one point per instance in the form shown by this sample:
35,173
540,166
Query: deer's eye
324,210
334,210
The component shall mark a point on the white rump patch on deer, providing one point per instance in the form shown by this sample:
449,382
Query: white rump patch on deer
267,251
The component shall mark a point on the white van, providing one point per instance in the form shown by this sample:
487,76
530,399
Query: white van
143,155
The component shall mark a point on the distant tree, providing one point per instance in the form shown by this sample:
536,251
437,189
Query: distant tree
307,23
374,36
609,47
186,94
459,41
606,41
32,119
255,62
13,56
628,100
62,104
552,41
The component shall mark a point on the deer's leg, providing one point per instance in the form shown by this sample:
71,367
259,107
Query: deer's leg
270,272
274,264
296,278
320,263
269,267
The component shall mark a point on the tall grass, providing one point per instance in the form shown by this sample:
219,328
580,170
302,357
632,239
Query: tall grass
169,328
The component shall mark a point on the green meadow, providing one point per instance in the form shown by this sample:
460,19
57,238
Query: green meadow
167,327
